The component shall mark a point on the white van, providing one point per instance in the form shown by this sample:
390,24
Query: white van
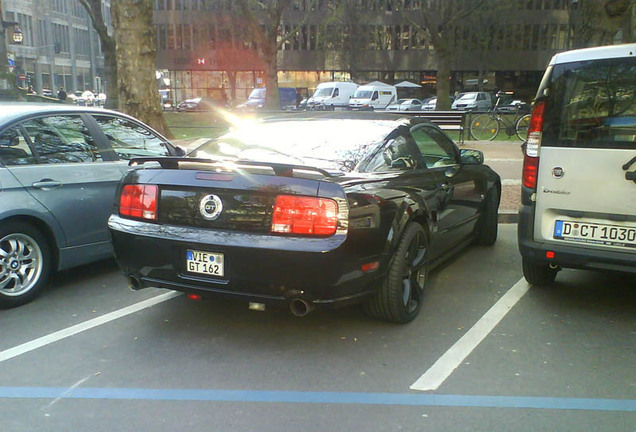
373,96
330,95
578,201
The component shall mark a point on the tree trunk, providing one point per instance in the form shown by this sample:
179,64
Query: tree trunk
443,85
136,82
231,77
272,101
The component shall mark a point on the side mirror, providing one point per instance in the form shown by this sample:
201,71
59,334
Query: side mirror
179,151
471,157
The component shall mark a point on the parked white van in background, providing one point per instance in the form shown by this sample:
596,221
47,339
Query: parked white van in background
330,95
373,96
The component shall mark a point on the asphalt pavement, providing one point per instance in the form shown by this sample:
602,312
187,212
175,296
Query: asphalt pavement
495,355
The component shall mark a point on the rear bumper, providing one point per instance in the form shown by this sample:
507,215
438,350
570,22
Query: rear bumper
259,268
569,256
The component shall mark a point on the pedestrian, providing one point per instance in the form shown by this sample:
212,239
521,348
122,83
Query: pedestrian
61,95
30,90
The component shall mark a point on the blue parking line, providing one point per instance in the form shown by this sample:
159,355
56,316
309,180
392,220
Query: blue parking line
404,399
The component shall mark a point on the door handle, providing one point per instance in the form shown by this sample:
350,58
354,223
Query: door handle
46,184
630,176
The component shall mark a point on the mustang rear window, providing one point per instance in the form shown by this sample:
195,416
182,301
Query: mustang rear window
592,104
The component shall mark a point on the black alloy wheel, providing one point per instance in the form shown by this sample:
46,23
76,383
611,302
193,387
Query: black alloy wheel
400,298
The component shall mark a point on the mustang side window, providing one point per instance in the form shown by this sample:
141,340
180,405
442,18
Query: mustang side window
129,139
62,139
398,153
436,149
14,148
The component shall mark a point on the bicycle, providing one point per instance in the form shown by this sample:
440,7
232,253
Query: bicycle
485,127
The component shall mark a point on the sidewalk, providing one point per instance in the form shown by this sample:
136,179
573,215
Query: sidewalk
506,159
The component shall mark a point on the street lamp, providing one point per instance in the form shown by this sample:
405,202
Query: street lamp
18,36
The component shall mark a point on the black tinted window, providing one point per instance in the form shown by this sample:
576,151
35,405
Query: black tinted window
592,104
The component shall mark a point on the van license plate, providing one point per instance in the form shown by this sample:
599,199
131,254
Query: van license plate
601,234
207,263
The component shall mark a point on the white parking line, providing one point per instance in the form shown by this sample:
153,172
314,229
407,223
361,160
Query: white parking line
86,325
447,363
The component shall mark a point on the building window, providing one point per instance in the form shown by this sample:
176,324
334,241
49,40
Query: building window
171,36
187,37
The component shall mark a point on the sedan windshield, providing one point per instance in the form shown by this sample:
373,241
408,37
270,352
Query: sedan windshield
328,144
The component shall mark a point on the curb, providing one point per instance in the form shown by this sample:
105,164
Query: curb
508,217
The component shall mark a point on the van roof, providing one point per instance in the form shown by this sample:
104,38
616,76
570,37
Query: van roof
596,53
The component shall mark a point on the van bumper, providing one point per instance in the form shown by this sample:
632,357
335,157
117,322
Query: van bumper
566,256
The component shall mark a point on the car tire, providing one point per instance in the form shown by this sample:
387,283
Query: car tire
399,299
488,223
538,273
25,263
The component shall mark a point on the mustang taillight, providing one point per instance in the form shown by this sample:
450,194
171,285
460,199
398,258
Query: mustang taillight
139,201
531,156
304,215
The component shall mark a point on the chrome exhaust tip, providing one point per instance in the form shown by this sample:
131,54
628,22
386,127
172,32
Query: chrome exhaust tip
134,283
300,307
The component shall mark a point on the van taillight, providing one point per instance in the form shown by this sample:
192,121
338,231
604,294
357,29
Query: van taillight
533,144
304,215
139,201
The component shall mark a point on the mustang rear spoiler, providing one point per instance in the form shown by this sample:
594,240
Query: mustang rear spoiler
284,170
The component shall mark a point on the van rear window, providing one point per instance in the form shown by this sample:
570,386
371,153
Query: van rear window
592,104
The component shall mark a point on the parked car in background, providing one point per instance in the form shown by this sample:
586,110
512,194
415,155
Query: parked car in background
59,168
431,103
373,96
100,100
326,212
578,201
256,99
331,95
197,104
473,101
405,105
87,98
507,102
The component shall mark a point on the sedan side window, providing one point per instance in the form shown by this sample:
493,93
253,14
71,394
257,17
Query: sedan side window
62,139
14,148
130,140
436,149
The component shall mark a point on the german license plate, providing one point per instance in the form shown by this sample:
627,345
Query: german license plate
206,263
601,234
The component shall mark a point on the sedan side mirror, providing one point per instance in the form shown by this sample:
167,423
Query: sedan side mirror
179,151
471,157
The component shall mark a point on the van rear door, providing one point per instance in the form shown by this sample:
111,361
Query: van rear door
586,186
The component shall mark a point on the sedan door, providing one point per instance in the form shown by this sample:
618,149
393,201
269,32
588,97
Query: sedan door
72,178
461,187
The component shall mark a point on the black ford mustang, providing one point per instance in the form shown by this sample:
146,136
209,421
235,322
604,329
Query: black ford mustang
311,212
